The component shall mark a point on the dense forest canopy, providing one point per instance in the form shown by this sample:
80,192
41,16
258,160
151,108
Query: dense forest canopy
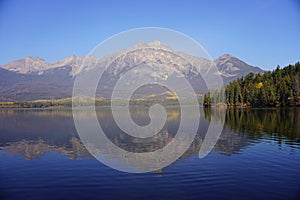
279,87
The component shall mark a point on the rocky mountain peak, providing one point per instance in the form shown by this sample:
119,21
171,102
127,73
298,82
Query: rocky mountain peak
154,44
33,59
26,65
227,58
230,66
159,44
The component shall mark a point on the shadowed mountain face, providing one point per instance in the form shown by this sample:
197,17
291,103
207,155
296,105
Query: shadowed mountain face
33,78
53,83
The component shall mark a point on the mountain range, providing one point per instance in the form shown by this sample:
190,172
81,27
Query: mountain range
33,78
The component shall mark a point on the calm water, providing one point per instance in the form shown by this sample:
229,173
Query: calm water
256,157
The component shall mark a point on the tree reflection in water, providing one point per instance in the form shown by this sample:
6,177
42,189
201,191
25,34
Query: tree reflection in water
36,132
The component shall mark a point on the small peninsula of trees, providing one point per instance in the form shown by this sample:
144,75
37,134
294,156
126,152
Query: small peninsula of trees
278,88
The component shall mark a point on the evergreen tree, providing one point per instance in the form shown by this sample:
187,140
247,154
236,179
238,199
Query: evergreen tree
277,88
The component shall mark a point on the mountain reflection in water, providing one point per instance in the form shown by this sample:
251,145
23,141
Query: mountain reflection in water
32,133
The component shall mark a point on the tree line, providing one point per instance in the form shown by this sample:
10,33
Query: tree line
277,88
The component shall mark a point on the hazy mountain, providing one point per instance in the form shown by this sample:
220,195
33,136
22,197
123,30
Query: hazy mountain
52,83
33,78
35,65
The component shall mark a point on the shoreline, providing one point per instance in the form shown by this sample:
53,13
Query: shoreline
106,107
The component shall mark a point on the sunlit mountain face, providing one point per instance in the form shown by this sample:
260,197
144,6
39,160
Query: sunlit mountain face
33,78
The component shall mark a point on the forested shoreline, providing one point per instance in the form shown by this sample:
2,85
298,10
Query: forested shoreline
277,88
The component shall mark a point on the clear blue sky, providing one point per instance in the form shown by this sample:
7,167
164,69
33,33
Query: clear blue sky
261,32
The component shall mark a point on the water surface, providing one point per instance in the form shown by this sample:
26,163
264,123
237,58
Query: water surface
256,157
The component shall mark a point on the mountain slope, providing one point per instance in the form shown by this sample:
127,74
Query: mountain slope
53,83
231,67
33,78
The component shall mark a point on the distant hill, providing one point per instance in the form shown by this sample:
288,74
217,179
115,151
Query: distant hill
33,78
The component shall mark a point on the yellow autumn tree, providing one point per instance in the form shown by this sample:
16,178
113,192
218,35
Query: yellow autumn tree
259,85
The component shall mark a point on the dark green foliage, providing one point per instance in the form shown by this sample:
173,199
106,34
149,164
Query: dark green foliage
207,100
277,88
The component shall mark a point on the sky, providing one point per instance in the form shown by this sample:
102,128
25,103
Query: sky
261,33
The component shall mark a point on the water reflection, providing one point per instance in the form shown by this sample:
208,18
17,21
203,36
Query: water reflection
32,133
280,124
31,149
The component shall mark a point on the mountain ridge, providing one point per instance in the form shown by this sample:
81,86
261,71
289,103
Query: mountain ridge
34,78
23,66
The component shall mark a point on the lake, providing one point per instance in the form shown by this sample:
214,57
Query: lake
257,156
